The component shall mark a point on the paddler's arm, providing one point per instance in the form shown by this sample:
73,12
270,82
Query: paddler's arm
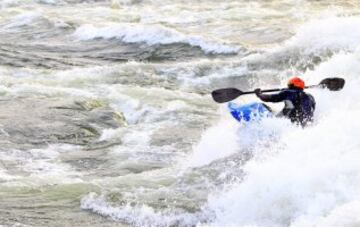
279,97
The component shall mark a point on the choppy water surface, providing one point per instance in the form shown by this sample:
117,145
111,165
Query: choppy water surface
106,117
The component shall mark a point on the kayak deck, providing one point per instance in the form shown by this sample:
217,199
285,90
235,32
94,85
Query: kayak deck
254,111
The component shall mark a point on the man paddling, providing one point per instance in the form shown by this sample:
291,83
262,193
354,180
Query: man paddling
299,106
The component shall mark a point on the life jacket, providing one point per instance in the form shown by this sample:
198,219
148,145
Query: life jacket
299,106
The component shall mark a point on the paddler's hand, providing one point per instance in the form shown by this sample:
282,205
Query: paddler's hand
257,92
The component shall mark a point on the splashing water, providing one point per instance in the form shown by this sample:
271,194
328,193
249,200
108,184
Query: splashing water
106,116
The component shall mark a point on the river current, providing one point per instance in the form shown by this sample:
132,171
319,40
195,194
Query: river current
106,117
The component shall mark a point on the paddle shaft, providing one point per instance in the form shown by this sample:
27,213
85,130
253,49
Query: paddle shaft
277,89
228,94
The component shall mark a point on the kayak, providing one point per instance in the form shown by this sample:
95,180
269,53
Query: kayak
250,112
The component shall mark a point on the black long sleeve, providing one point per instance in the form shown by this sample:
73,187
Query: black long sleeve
273,98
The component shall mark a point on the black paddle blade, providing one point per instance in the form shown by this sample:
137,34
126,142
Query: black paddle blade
225,94
333,84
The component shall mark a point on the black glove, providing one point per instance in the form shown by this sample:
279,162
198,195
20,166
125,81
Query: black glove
257,92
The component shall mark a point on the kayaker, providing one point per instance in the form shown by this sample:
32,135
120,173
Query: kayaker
299,106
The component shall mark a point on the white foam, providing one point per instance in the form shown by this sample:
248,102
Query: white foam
127,105
141,215
42,166
137,138
176,105
344,215
6,177
217,142
192,79
107,134
23,19
151,35
51,91
229,137
332,33
308,177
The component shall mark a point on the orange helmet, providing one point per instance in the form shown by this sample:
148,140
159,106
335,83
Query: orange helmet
296,82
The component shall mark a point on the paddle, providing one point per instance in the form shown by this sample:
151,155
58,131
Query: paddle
228,94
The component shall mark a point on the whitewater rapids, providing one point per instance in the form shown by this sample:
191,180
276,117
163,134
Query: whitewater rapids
106,117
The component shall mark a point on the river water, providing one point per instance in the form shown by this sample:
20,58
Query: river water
106,117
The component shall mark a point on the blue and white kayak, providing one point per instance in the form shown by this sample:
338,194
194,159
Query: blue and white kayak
254,111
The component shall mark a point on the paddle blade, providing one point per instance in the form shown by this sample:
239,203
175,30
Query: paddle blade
225,94
333,84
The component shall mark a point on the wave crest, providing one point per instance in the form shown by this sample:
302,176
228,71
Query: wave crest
151,35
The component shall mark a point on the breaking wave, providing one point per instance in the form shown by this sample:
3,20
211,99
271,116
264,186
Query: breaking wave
151,35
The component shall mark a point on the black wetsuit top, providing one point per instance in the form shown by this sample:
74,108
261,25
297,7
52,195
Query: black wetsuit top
299,106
